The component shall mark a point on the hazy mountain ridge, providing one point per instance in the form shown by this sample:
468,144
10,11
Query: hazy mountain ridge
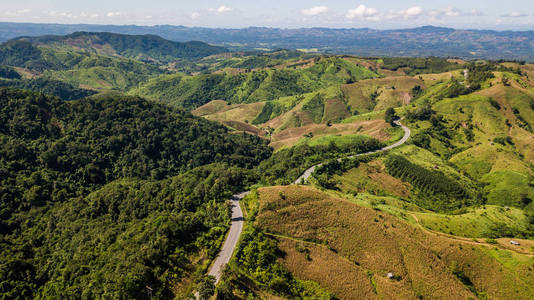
143,47
421,41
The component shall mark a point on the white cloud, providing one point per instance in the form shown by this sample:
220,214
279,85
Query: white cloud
17,13
113,14
313,11
515,14
363,12
195,15
23,11
221,10
446,12
412,12
474,13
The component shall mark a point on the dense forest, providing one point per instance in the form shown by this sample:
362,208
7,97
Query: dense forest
49,86
69,169
414,66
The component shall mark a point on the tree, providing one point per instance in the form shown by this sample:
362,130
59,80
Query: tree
206,287
390,115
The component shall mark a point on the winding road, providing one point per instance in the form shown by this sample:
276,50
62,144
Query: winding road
237,214
407,133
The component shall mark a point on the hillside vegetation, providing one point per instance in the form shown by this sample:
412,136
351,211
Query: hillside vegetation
349,250
121,191
70,169
140,47
191,92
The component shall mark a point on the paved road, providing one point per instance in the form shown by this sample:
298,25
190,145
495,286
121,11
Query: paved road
237,214
407,133
231,240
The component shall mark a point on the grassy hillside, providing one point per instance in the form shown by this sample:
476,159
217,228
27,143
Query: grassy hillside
191,92
320,231
63,71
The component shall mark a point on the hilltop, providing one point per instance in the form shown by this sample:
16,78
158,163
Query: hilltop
141,47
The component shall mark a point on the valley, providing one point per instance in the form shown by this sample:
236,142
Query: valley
366,177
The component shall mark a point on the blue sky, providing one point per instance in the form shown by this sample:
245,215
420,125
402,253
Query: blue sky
380,14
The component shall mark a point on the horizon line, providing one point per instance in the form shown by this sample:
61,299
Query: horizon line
269,27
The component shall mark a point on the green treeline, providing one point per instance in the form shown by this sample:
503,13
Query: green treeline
415,66
256,261
104,196
438,191
287,164
49,86
119,239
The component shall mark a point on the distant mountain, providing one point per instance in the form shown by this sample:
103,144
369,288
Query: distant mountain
141,47
422,41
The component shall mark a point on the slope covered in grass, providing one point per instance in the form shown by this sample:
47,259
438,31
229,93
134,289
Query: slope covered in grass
256,86
320,231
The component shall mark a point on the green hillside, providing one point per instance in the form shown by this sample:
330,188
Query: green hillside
191,92
123,189
64,71
70,169
140,47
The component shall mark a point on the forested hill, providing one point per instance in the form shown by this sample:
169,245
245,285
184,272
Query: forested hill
70,169
141,47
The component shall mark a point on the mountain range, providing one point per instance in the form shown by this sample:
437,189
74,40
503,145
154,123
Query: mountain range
421,41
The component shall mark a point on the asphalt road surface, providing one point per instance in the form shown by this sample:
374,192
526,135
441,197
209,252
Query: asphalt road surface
231,239
237,214
407,133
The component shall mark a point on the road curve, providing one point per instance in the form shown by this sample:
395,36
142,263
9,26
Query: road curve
232,238
236,226
407,133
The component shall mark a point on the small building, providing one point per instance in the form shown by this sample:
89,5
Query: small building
515,243
390,275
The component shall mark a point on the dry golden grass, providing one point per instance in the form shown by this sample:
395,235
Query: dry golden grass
378,243
430,79
291,136
394,91
240,127
335,110
289,117
457,60
508,98
390,73
346,280
211,108
27,74
372,178
219,110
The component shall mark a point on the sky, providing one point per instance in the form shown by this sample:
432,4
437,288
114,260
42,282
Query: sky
379,14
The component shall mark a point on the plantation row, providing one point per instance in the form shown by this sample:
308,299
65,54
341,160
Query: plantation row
447,193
